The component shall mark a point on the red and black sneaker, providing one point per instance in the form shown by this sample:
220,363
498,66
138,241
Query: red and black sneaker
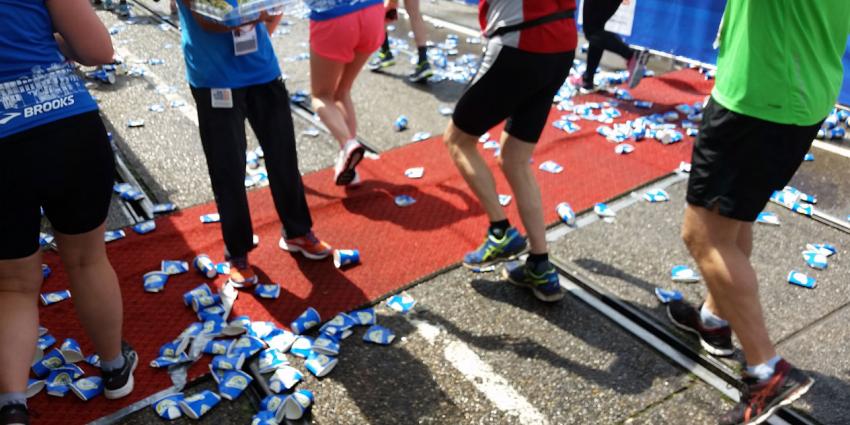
761,399
716,341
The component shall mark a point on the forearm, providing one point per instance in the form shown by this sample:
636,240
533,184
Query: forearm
65,48
272,23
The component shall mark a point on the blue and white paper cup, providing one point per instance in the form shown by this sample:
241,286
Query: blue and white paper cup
174,348
270,360
87,388
50,361
272,402
205,266
155,281
280,339
233,384
340,323
346,257
199,404
264,417
174,266
203,301
168,408
202,289
307,320
261,329
320,364
284,379
302,347
228,362
218,347
71,351
247,346
267,290
237,326
34,386
164,361
48,298
379,335
365,317
45,341
295,406
327,345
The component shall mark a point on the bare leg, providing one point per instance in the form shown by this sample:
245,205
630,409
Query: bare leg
342,95
745,243
417,24
324,79
20,280
464,152
713,241
514,161
94,285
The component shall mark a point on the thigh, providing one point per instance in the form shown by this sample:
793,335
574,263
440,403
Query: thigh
550,71
350,73
77,196
222,132
270,116
494,93
325,75
596,13
20,219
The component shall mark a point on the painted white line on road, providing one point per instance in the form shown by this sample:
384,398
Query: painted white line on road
439,23
187,109
829,147
495,387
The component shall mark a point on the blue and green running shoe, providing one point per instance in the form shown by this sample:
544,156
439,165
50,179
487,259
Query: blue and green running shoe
543,283
494,250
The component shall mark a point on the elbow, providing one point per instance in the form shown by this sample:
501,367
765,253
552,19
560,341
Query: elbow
97,57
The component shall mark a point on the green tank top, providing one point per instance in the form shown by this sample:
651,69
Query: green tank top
780,60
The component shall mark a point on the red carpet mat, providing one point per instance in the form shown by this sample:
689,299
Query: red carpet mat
397,245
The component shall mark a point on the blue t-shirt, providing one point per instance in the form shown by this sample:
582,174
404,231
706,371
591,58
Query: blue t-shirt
211,60
37,86
322,10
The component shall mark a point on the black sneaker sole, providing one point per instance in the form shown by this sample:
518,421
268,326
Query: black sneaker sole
127,388
347,175
710,349
789,398
549,298
420,78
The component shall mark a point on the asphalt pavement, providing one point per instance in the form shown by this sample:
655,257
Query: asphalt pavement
476,350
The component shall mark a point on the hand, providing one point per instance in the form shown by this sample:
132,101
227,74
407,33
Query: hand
626,2
391,15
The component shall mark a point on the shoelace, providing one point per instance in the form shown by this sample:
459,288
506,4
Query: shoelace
311,238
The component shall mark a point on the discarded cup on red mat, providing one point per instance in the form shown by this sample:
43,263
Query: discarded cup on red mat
54,297
155,281
71,351
174,266
87,388
307,320
205,266
346,257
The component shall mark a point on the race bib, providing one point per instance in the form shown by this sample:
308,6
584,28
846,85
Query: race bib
245,41
221,98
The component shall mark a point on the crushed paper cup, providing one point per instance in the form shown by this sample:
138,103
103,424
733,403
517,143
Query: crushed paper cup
401,303
623,149
48,298
815,260
668,295
174,266
223,268
822,248
225,362
346,257
270,360
551,167
59,380
280,339
767,217
203,301
326,344
809,157
51,361
199,404
338,324
87,388
218,347
154,281
212,326
302,346
210,218
164,361
247,346
237,326
684,274
320,364
267,290
804,209
164,208
202,289
93,360
656,195
379,335
174,348
192,330
404,200
801,279
307,320
284,379
365,317
415,172
261,329
233,384
504,200
168,407
295,405
566,213
264,417
71,351
45,271
273,401
602,210
145,227
34,386
45,341
204,265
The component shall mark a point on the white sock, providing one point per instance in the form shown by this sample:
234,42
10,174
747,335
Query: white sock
764,371
711,320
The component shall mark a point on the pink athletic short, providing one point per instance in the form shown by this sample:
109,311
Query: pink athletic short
339,38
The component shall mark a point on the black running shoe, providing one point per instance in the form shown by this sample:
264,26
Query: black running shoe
119,383
421,73
716,341
761,399
14,414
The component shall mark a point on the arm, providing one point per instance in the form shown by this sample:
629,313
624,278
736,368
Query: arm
272,21
210,26
81,36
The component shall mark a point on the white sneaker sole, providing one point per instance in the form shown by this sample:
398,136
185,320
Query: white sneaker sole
295,248
710,349
127,388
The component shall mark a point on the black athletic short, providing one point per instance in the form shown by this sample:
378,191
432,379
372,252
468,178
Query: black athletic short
67,168
738,161
515,85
